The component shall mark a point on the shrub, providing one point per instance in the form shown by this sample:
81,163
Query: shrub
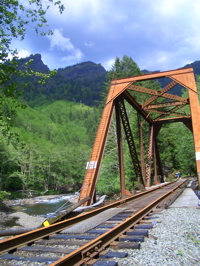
4,195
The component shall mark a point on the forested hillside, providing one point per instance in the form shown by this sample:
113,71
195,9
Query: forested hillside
81,83
51,139
54,145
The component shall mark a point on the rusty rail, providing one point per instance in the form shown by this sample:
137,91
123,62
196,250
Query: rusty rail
92,249
95,247
30,237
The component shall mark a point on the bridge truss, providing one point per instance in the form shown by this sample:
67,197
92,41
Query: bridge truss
160,107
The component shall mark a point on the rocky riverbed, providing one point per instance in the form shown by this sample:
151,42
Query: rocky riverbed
15,216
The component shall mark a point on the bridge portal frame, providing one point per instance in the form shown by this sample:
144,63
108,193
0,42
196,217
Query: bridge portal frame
117,94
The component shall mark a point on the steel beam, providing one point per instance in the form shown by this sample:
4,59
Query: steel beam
165,89
149,156
157,94
156,180
120,149
157,75
127,96
162,105
157,161
195,115
163,121
130,140
189,82
93,166
142,159
119,89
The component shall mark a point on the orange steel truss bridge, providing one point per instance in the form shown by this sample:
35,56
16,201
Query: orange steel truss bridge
158,108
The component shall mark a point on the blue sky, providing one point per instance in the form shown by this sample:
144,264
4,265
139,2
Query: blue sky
156,34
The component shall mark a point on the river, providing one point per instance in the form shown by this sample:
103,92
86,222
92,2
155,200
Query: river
44,206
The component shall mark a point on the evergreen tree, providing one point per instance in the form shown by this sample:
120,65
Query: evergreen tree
123,68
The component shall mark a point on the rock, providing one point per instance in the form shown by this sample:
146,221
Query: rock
26,220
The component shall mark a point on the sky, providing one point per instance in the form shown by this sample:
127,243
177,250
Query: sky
157,34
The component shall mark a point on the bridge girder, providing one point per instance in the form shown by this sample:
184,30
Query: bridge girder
170,109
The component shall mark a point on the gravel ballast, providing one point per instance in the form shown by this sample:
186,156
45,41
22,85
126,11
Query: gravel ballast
174,240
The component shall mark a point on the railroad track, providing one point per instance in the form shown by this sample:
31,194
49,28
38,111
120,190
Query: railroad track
84,239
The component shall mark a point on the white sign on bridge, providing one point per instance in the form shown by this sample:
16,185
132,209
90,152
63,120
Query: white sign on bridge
91,165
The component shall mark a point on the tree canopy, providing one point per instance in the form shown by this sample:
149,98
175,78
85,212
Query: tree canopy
14,18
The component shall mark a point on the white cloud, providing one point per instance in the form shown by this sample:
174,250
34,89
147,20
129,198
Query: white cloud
108,64
170,8
159,59
79,7
63,44
23,53
77,56
57,40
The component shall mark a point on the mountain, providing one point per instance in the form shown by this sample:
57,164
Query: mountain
196,66
37,63
81,83
82,70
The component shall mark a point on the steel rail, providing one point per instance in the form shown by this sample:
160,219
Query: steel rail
11,244
92,249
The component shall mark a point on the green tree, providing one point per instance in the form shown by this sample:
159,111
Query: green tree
109,179
123,68
8,162
51,156
14,18
176,144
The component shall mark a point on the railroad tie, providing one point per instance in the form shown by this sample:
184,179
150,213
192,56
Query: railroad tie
92,222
